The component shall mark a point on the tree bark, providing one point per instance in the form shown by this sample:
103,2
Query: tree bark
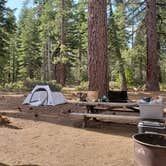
60,67
13,64
141,67
97,47
44,63
59,75
49,58
121,70
152,71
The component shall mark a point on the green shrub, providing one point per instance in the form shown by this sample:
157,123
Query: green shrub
13,87
114,85
82,86
130,76
163,86
53,83
30,84
1,87
18,86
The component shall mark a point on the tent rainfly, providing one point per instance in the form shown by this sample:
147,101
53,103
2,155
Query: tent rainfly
44,95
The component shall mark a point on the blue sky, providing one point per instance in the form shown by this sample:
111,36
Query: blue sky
15,4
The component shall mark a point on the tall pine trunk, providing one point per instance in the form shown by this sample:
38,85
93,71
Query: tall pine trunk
44,63
152,71
141,67
97,47
60,67
49,58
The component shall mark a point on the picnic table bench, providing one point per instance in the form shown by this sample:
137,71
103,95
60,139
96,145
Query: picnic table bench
88,116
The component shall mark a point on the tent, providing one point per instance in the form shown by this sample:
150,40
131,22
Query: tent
44,95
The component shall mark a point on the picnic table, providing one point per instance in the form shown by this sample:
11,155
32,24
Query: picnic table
95,110
95,107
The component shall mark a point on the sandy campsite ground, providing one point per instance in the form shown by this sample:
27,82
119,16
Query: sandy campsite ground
49,136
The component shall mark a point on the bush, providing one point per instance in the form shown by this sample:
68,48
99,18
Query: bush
82,86
163,86
16,86
53,83
30,84
130,76
114,85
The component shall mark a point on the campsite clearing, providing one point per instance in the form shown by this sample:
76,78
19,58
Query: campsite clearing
49,136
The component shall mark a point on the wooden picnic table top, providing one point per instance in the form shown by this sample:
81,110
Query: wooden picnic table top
111,104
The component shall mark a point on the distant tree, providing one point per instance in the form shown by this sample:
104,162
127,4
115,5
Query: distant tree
11,27
50,40
3,34
78,37
117,38
97,46
7,32
161,23
54,18
29,44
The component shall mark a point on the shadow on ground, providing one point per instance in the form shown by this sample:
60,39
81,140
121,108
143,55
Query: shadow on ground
11,107
10,127
2,164
60,115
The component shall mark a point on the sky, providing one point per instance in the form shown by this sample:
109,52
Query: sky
15,4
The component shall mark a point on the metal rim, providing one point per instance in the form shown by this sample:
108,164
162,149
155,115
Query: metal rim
147,144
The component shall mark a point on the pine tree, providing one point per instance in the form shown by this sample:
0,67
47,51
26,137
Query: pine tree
97,46
29,50
118,38
7,31
3,35
152,75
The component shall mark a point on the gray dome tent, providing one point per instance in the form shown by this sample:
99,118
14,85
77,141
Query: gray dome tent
44,95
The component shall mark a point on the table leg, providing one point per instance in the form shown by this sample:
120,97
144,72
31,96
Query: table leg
85,122
90,109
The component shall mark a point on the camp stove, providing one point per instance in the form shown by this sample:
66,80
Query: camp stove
146,126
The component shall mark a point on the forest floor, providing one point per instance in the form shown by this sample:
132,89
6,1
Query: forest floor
49,136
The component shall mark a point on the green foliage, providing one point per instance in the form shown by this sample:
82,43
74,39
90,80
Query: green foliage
30,84
130,76
14,87
3,30
61,59
114,85
29,45
82,86
53,83
161,23
26,45
7,31
163,86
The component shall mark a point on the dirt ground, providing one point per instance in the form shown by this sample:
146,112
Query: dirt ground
49,136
